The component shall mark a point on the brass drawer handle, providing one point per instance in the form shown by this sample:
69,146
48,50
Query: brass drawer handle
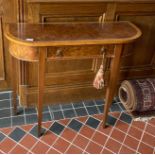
103,50
109,52
59,53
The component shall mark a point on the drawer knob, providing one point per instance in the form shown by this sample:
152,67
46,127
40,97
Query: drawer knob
103,49
59,53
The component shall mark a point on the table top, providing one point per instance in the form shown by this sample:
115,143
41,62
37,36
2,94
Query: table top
60,34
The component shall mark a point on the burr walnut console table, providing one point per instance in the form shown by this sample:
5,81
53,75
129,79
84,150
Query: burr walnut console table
29,42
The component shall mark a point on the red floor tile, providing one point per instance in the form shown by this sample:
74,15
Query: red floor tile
27,127
73,150
131,142
81,141
68,134
138,124
18,150
134,132
82,119
7,131
87,131
99,117
115,114
61,145
93,148
105,130
145,149
40,148
118,135
149,139
47,125
113,145
99,138
122,126
106,151
150,129
126,150
49,138
52,151
28,141
152,122
64,121
7,145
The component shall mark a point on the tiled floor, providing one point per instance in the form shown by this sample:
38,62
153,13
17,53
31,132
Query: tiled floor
81,135
76,134
53,112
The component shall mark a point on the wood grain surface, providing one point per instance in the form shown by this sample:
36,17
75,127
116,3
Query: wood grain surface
72,34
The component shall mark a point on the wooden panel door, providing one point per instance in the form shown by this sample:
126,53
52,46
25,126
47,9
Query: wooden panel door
8,13
139,57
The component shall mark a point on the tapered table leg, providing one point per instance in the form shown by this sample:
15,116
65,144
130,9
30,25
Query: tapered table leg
112,85
14,84
41,77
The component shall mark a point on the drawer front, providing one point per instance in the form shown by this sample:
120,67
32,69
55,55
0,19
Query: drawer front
77,52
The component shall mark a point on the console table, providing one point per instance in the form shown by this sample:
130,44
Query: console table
29,42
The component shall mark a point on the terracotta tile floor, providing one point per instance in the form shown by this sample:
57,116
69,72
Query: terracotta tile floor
81,135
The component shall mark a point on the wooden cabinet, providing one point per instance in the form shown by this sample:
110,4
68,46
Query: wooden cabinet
68,80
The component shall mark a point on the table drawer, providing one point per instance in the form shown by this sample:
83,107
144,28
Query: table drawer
75,52
64,52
